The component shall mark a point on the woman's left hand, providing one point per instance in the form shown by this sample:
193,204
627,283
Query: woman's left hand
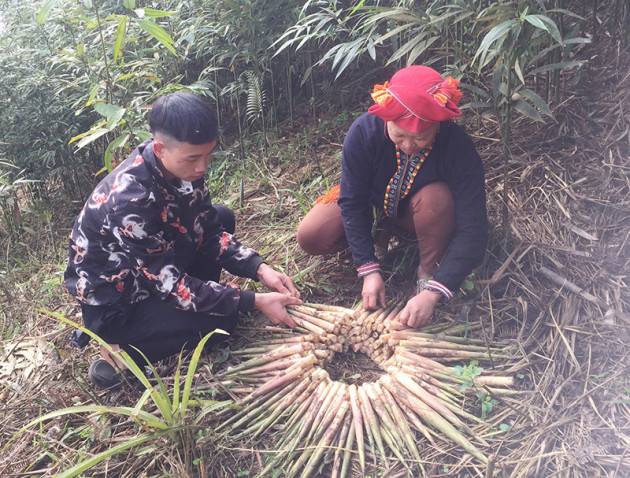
276,281
419,308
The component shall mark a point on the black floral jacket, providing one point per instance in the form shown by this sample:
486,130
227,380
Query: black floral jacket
138,234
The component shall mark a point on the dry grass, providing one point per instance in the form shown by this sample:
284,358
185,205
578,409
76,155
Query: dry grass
569,201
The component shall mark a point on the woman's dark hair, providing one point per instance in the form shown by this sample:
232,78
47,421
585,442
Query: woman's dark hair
184,117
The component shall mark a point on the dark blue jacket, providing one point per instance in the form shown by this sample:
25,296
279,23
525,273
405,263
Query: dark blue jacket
368,163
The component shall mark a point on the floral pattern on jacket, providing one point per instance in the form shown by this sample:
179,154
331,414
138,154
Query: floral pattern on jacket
138,234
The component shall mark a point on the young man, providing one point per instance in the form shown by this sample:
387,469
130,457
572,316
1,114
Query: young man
147,250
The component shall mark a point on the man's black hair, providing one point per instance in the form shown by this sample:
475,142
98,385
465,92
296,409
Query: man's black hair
184,117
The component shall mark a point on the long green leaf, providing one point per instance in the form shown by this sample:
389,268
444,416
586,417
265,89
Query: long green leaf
89,463
537,100
545,23
192,367
108,110
161,400
557,66
527,109
121,35
44,12
152,13
146,417
93,136
420,49
115,144
495,34
157,32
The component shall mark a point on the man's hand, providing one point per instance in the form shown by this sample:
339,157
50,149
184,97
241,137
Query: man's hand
419,309
373,292
273,305
276,281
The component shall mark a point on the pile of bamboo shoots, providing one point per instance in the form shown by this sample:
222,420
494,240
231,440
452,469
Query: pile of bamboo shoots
327,423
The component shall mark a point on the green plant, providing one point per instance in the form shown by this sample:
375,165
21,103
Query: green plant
520,34
172,406
468,373
487,403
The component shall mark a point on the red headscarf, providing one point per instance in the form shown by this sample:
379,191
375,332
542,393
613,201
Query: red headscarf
415,98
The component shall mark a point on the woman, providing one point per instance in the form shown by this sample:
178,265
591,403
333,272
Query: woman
406,159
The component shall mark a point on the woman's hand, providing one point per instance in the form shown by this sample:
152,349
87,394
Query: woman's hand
419,308
276,281
273,305
373,292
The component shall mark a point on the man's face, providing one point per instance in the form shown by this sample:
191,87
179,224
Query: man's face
411,143
185,161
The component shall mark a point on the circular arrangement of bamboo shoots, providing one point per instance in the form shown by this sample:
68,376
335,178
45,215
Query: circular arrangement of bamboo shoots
326,422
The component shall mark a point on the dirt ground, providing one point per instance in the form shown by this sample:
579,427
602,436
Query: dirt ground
557,289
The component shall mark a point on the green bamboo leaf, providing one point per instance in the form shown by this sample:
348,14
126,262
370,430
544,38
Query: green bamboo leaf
157,32
161,400
108,110
420,49
476,104
419,43
352,55
130,4
496,34
93,135
121,35
359,5
192,367
113,113
445,16
109,152
475,89
545,23
393,32
527,109
537,100
89,463
517,69
565,12
44,12
152,13
563,65
146,417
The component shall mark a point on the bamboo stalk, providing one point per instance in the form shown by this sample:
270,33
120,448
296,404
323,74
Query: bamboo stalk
275,354
343,437
325,442
370,420
429,415
399,419
289,402
323,324
446,354
293,425
357,420
254,408
347,455
389,430
406,381
330,308
291,374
